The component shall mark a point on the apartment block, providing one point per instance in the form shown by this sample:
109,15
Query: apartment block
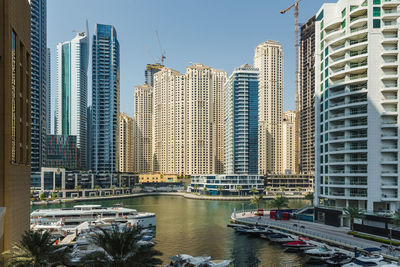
357,114
125,143
268,58
289,155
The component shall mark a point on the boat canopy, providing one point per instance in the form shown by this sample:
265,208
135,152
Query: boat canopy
372,249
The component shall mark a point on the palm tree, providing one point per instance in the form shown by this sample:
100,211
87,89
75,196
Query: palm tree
353,213
35,250
97,188
220,188
78,188
253,190
267,190
195,187
279,202
256,199
239,188
309,196
120,248
205,190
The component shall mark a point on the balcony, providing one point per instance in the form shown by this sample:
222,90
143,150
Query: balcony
390,14
390,3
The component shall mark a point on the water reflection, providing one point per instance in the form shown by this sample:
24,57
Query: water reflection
198,228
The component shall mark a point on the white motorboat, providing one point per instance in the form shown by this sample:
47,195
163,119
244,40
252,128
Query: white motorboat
367,260
280,238
81,213
184,260
321,253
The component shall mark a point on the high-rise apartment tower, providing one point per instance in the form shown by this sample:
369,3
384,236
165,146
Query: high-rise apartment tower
105,98
268,59
142,132
357,114
72,68
15,120
306,97
289,154
38,84
125,143
241,121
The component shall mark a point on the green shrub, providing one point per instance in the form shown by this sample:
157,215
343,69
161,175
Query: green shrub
373,238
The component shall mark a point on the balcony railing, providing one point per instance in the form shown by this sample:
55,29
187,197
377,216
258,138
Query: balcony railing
357,76
357,18
353,42
356,53
358,29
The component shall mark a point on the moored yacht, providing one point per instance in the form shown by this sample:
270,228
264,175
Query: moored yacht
90,213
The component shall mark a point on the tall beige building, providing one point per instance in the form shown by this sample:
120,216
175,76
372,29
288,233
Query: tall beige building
187,120
125,143
15,120
142,133
289,152
268,59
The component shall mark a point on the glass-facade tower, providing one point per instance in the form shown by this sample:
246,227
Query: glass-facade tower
105,98
72,65
241,121
38,83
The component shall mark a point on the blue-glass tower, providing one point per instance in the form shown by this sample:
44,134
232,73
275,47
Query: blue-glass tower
241,121
38,83
105,98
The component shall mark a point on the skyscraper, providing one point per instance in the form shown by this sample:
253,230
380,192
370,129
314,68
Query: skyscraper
268,59
185,126
241,121
48,92
289,142
38,82
125,143
142,121
306,96
89,138
151,69
72,66
105,99
357,114
15,56
218,81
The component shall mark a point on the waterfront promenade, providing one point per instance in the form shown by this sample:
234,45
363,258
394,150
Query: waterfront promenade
336,236
135,195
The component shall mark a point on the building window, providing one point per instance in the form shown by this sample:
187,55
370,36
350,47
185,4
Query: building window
377,2
343,24
377,23
377,12
343,13
13,97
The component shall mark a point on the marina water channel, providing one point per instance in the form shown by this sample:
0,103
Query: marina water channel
198,227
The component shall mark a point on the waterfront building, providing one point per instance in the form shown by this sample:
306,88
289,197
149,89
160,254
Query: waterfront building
125,143
226,184
289,183
142,123
15,120
306,97
186,129
72,67
48,92
268,58
38,82
89,137
356,133
66,182
151,69
105,98
241,121
289,154
63,151
157,178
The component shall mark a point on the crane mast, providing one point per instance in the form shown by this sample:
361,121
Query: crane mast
297,72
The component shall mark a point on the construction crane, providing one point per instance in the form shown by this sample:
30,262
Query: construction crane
163,56
297,73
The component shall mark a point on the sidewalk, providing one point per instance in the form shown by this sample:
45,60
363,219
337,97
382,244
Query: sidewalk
326,233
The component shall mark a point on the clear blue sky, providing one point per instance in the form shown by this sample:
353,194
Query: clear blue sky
219,33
